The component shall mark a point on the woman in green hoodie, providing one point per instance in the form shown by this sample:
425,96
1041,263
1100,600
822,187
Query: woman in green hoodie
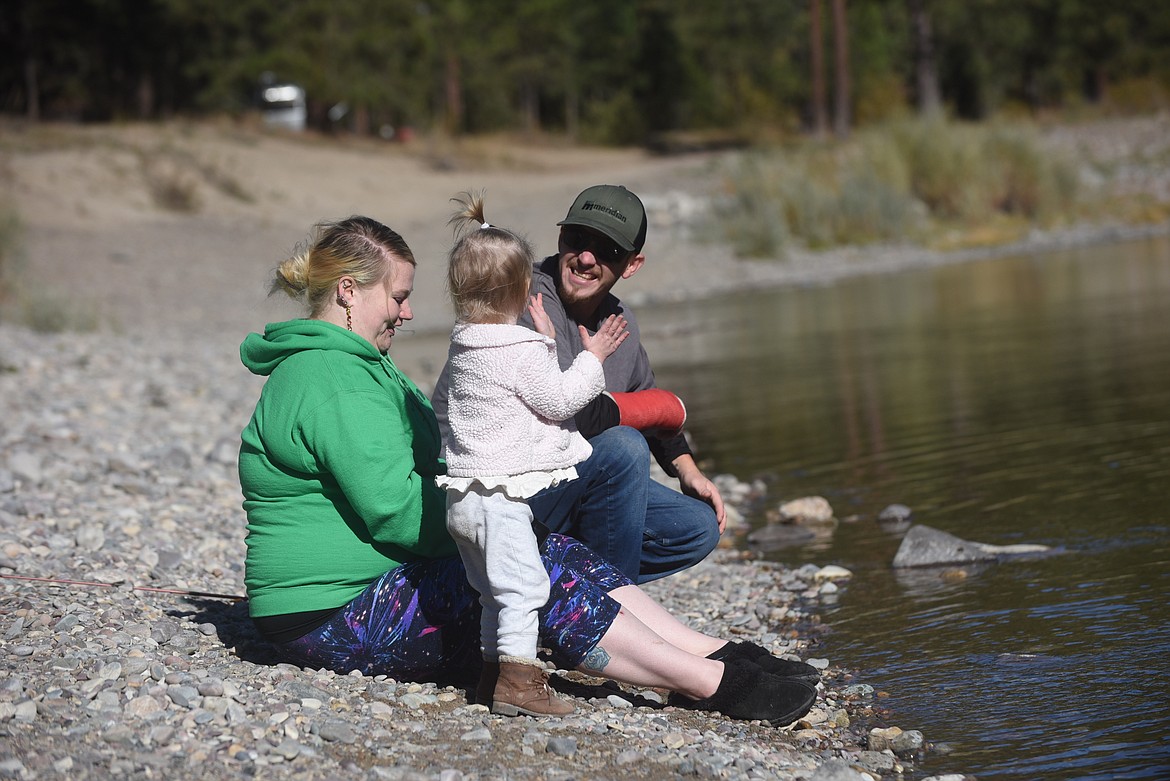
349,565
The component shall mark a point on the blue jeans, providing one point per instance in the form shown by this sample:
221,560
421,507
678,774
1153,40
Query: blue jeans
644,529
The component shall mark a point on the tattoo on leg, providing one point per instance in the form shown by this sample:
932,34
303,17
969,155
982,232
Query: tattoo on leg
596,660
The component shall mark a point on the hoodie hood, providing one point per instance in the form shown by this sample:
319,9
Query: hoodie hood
494,335
262,353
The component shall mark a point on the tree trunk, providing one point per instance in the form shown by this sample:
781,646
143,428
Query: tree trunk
572,113
145,96
32,89
841,119
820,108
454,94
361,119
530,107
925,60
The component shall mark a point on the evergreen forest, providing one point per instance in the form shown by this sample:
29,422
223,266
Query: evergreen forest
596,71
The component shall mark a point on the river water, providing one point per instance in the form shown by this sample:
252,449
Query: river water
1014,400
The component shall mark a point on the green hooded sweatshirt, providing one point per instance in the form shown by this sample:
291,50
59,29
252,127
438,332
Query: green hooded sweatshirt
337,469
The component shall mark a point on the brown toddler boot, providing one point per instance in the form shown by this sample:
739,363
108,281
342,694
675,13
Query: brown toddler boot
522,687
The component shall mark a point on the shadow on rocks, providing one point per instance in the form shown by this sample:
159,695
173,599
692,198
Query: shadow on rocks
234,628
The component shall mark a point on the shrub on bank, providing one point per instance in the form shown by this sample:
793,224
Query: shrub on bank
900,181
9,246
28,304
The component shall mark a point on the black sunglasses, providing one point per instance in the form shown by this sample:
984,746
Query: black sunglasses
604,249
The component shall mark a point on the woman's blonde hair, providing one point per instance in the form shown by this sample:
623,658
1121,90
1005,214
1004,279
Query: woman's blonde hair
358,247
489,269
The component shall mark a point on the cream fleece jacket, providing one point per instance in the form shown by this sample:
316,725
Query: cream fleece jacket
510,407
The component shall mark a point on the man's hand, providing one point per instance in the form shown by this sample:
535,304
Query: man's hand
695,484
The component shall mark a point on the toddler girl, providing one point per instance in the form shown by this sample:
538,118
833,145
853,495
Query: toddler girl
510,411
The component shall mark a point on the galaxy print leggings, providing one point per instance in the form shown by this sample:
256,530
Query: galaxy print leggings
420,621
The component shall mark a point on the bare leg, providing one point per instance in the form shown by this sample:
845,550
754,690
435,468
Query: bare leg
663,624
632,652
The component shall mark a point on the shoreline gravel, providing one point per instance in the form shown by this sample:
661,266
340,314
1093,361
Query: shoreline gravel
119,467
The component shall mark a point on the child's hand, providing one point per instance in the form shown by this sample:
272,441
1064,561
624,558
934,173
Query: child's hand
540,319
611,334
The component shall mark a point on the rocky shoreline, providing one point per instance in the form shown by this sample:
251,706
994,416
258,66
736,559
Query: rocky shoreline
118,468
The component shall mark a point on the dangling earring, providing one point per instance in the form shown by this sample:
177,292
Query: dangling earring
348,313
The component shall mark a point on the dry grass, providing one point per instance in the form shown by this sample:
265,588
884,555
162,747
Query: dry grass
10,230
909,180
175,177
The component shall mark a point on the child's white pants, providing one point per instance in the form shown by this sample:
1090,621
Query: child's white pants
499,550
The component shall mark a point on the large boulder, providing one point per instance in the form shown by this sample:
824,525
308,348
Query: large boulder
924,546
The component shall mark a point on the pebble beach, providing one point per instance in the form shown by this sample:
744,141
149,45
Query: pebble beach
125,651
119,469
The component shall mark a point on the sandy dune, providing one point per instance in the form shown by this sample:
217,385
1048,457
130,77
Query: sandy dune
157,229
96,238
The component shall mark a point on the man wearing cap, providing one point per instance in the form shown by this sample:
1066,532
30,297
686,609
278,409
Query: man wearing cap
643,528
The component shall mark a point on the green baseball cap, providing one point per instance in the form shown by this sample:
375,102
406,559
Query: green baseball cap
613,211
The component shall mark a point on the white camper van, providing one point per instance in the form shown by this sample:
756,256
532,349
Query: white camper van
283,106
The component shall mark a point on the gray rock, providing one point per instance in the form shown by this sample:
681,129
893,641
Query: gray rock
299,690
143,706
561,746
169,559
924,546
26,467
175,458
66,623
480,735
877,761
225,452
12,768
629,757
780,535
25,711
908,743
807,509
184,696
91,537
836,770
211,688
163,631
857,690
336,731
895,513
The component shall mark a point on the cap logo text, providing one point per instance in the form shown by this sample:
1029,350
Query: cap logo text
589,206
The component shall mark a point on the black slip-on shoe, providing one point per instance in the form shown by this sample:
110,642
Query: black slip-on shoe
747,692
762,658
